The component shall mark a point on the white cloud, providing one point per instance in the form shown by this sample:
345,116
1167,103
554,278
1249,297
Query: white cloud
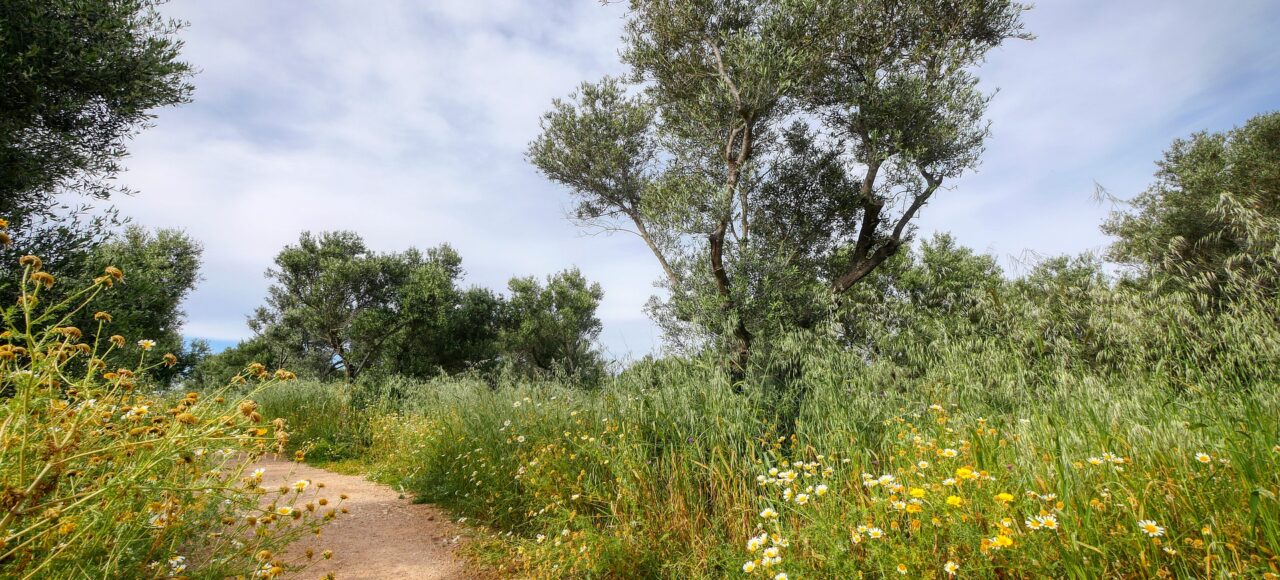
407,121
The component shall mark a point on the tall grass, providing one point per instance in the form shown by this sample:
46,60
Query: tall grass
103,477
1096,434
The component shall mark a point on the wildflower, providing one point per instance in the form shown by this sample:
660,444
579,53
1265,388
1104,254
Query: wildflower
820,490
1170,551
117,340
902,569
780,576
917,492
771,552
301,485
948,452
258,473
1004,497
147,344
32,261
949,481
749,567
899,505
923,465
114,272
1150,528
802,498
875,533
187,419
1034,523
769,514
541,538
42,279
284,511
1203,457
1050,521
955,501
1095,461
1001,541
951,568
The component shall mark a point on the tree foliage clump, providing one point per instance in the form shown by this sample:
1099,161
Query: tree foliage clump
77,80
1213,213
337,308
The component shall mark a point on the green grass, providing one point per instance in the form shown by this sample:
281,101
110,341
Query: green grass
657,474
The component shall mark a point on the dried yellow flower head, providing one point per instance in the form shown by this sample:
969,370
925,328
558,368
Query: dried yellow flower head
31,261
170,360
42,279
117,340
114,272
101,315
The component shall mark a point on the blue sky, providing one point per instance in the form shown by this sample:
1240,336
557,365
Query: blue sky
407,122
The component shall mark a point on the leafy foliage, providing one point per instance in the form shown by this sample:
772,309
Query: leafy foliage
77,80
339,308
1213,210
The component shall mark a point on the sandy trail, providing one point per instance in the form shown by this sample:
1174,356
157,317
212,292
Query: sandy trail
383,536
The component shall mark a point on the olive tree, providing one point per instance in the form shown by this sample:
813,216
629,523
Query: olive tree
773,154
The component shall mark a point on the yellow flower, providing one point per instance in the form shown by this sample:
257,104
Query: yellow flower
1004,497
917,492
768,514
956,501
1001,541
902,569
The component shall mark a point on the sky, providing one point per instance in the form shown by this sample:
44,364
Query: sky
407,122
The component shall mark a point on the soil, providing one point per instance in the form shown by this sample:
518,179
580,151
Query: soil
384,535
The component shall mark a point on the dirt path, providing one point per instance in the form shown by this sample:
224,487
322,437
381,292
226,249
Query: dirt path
382,536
